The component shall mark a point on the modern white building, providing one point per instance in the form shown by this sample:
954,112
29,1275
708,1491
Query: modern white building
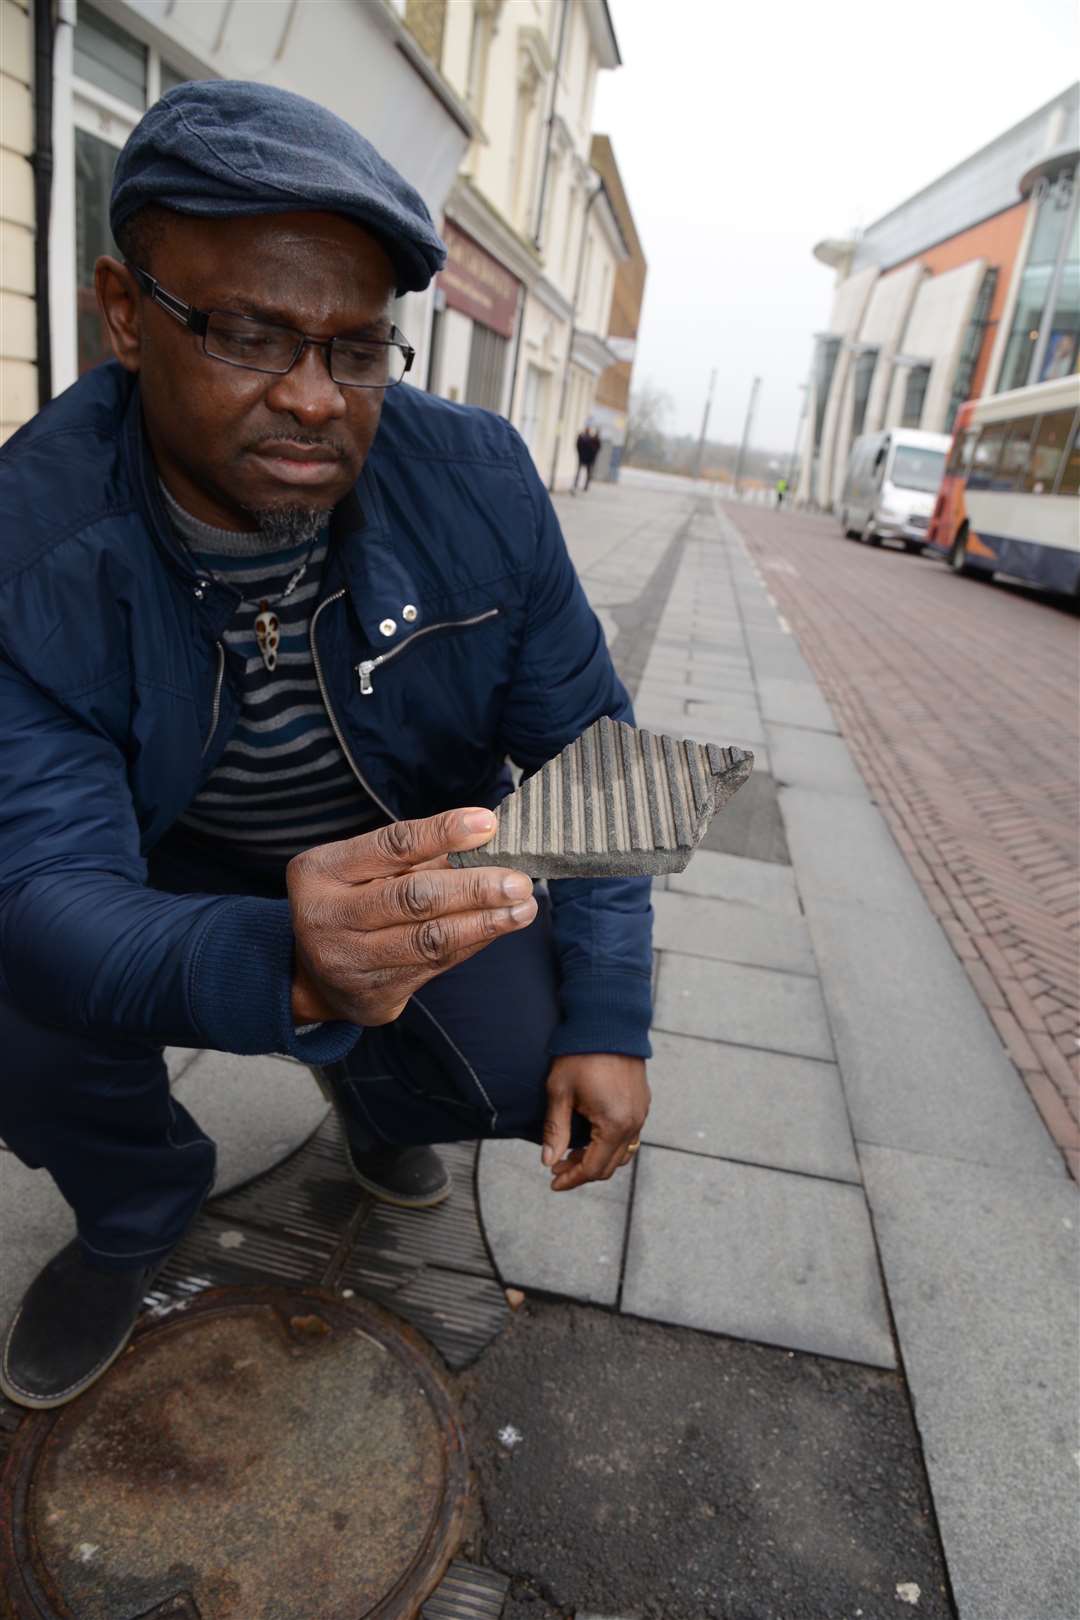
970,286
71,92
525,300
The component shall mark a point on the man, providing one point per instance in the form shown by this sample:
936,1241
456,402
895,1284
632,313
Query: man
588,448
270,627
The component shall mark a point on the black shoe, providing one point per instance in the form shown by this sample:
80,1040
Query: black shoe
410,1177
72,1324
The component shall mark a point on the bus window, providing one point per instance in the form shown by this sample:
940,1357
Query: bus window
967,450
1047,451
1014,458
1070,473
986,455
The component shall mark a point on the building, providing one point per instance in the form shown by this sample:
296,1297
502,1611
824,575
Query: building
612,403
970,287
524,302
72,90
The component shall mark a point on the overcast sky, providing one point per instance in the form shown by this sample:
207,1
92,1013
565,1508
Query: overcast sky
747,130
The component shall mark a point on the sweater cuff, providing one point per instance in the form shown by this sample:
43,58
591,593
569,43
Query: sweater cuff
241,987
605,1012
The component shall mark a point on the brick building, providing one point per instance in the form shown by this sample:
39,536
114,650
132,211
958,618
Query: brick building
612,403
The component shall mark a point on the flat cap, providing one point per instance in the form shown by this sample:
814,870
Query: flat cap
221,147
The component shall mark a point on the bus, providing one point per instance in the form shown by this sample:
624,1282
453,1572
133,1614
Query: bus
1008,498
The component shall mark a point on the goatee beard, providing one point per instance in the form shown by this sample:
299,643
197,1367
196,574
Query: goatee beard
283,526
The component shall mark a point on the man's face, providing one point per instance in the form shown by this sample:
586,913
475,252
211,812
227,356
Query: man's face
230,443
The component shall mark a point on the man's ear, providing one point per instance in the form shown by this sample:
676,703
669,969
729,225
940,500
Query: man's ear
118,300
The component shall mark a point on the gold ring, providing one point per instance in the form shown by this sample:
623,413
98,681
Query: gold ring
632,1147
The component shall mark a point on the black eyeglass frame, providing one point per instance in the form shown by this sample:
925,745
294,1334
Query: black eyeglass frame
198,321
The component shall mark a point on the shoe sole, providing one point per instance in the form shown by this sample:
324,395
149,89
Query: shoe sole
380,1193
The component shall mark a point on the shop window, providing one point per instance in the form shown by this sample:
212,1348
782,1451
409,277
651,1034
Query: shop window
964,382
1048,248
1047,452
109,58
918,380
486,377
864,376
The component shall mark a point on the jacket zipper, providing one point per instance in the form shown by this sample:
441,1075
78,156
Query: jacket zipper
365,669
368,789
215,708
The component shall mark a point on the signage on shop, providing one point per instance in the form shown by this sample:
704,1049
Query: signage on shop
477,284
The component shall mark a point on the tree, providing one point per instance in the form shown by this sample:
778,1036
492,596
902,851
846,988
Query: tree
645,444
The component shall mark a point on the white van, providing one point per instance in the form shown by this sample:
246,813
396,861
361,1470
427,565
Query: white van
891,485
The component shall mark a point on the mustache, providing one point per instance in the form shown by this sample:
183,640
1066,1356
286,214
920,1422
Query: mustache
290,436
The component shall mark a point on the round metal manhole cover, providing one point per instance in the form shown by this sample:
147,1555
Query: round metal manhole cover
266,1454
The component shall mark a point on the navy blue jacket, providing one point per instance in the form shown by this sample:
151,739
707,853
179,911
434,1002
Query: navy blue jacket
116,703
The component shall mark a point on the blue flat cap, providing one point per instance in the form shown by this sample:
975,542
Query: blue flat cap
221,147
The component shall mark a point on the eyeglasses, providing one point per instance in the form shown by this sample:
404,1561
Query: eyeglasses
238,340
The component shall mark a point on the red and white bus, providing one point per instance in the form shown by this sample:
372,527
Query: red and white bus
1008,498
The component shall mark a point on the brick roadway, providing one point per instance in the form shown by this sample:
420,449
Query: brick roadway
959,701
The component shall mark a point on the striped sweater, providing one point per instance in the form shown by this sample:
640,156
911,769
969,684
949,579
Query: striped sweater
282,783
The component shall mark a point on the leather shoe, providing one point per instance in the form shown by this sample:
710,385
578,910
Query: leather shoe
72,1324
411,1177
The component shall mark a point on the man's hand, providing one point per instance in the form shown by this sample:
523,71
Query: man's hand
376,917
613,1094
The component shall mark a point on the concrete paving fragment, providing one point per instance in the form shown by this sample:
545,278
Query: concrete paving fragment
765,1108
728,931
617,802
734,877
747,1006
555,1243
981,1267
778,1258
923,1065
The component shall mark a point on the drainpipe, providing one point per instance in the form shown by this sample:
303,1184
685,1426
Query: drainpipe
550,125
42,165
573,331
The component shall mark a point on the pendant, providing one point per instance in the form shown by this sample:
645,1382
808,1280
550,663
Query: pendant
267,634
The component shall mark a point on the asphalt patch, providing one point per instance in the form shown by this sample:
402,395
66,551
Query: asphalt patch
629,1469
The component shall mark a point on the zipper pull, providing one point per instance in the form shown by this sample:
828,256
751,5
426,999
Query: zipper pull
364,671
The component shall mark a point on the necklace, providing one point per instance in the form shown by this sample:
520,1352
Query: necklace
267,627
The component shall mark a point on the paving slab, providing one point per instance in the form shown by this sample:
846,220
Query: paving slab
789,702
778,1258
747,1006
718,720
735,877
776,655
765,1108
843,850
923,1067
814,759
257,1109
751,824
728,931
557,1243
981,1267
35,1222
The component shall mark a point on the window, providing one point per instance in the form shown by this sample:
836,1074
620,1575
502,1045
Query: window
1047,452
1070,473
964,381
825,353
1048,244
962,453
487,368
985,460
1014,457
108,57
171,77
914,396
916,468
864,376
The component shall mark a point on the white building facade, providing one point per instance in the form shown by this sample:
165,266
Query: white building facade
109,62
525,301
925,309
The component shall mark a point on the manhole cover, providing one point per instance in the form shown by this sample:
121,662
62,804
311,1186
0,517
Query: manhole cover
266,1453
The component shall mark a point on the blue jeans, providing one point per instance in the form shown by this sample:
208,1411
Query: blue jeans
466,1059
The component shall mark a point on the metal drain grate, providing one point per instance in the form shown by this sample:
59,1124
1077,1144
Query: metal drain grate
467,1593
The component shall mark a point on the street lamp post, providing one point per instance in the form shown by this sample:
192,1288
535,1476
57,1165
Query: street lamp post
746,431
704,426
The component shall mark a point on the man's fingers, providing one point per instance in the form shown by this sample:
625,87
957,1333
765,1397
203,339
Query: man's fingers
557,1124
439,942
398,846
430,892
605,1154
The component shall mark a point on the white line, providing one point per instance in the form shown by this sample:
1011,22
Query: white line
785,627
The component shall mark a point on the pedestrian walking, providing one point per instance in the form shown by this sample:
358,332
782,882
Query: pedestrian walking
781,490
218,543
588,448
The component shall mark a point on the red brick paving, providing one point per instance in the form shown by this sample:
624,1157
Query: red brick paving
960,702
